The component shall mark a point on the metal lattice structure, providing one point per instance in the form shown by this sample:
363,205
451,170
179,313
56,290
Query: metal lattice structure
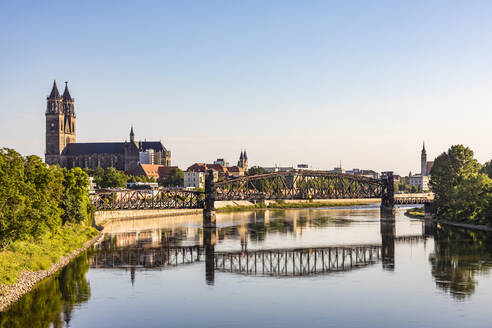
272,262
299,185
146,257
297,262
147,199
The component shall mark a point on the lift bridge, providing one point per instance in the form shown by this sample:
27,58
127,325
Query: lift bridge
298,185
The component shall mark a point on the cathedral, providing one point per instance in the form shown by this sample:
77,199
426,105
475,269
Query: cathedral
62,148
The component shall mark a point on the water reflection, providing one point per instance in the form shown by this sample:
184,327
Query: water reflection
52,301
388,233
177,256
459,255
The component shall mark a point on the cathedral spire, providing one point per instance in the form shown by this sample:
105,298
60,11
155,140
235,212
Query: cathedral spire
66,93
54,91
245,156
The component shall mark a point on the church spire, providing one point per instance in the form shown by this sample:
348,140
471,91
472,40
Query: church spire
54,91
132,135
66,93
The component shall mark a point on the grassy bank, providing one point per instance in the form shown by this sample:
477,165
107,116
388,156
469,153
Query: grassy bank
22,256
416,212
285,205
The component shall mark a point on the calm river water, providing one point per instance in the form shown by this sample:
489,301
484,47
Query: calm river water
271,268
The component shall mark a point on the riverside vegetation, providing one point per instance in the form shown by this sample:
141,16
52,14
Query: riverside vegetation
45,213
462,187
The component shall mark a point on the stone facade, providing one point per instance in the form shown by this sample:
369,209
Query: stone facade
62,148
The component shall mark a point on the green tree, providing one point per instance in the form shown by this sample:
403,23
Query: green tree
256,170
487,168
175,178
75,201
461,191
113,178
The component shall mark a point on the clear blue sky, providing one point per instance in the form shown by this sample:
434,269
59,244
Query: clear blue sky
313,82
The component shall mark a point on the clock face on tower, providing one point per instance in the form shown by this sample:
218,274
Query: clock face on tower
52,125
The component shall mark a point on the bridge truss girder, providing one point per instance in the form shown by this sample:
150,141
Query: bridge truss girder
147,199
298,185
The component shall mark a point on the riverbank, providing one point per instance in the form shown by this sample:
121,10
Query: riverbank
23,264
286,204
418,213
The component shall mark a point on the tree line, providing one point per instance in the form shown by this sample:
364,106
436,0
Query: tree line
112,178
36,198
462,187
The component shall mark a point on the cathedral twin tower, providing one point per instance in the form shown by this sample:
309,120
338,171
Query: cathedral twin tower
60,123
62,149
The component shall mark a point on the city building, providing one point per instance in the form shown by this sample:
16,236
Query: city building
194,179
421,182
222,162
62,148
364,173
279,169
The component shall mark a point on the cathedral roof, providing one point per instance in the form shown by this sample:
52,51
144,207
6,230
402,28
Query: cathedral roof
54,91
155,145
66,93
95,148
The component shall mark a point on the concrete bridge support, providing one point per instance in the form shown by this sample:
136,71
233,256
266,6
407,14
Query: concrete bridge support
388,196
429,211
209,213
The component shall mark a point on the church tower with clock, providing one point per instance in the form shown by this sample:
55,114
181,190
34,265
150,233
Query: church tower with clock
60,124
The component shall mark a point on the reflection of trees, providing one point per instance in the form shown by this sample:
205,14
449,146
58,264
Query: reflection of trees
53,299
458,256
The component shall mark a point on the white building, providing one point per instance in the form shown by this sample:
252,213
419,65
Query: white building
279,169
194,179
421,182
146,157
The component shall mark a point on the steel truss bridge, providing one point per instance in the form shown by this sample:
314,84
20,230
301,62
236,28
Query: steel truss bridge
272,186
127,199
299,185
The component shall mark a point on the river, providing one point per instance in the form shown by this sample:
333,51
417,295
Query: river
270,268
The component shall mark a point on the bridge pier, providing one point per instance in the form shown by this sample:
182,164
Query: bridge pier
388,197
209,203
429,211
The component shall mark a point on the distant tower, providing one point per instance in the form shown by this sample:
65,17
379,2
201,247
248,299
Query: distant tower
243,160
423,161
54,126
132,135
69,113
60,124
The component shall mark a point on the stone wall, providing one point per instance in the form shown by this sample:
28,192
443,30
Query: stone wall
103,216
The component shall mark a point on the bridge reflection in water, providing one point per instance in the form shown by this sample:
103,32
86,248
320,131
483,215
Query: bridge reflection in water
278,262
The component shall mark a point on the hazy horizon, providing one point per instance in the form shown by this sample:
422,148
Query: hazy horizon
291,82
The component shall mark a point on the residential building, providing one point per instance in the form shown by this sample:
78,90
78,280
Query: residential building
421,182
193,179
